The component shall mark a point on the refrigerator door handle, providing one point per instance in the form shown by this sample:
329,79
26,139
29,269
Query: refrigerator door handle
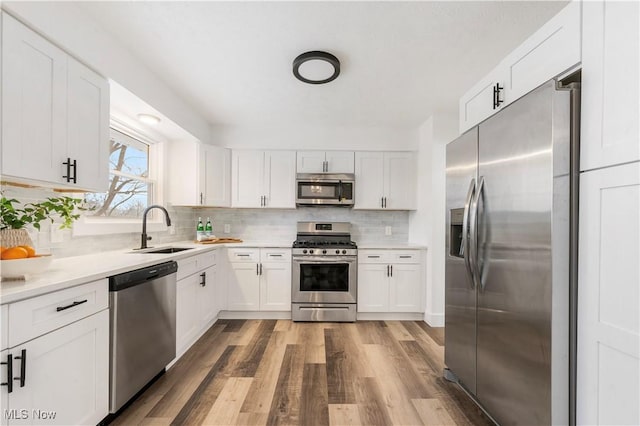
465,231
473,235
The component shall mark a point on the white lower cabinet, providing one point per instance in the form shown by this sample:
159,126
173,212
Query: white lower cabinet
390,281
260,280
196,294
59,374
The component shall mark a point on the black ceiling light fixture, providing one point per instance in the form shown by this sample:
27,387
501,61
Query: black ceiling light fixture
316,67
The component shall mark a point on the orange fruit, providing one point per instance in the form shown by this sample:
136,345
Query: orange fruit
31,252
14,253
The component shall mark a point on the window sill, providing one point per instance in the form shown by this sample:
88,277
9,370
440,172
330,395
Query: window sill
84,227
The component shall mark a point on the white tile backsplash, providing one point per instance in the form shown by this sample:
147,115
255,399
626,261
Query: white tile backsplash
248,224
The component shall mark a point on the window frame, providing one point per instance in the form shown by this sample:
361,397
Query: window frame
90,225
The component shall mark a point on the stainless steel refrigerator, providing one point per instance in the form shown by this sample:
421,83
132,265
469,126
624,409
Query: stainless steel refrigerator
511,258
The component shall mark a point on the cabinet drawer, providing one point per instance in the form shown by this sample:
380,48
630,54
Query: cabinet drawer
275,255
373,256
244,255
196,263
34,317
405,256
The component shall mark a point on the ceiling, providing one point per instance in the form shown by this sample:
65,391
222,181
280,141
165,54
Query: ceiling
400,61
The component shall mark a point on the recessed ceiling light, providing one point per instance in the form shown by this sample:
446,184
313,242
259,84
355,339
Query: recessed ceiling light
316,67
148,119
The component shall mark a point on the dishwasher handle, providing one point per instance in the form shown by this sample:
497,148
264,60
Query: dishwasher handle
141,276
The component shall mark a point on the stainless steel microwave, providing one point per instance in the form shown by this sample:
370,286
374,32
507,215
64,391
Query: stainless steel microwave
326,189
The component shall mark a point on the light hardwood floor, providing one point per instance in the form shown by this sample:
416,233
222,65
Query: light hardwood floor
259,372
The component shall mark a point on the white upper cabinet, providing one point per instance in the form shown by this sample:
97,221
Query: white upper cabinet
88,125
385,180
325,161
198,174
263,179
549,52
55,123
610,103
482,100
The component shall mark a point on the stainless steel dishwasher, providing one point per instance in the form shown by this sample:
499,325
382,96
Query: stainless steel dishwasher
143,328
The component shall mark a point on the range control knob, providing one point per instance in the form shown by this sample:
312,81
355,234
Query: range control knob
304,251
337,251
311,251
324,252
344,252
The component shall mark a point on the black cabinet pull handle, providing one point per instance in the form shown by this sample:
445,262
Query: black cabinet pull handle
62,308
260,269
373,257
201,202
257,269
23,367
75,170
9,382
405,257
391,270
204,279
68,164
496,95
387,270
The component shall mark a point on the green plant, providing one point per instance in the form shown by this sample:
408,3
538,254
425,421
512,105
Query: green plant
13,217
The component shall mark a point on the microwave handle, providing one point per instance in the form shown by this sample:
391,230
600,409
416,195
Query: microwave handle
340,191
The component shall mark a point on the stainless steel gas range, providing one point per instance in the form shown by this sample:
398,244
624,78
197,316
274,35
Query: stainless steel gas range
324,274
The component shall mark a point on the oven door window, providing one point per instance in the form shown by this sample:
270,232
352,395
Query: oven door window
324,277
313,191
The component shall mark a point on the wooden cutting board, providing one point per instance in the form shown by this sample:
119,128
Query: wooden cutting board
220,241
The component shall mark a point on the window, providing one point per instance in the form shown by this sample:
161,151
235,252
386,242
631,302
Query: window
130,188
135,162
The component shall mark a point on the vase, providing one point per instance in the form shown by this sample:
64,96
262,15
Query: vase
15,237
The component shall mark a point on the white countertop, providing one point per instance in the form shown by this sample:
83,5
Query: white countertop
396,246
71,271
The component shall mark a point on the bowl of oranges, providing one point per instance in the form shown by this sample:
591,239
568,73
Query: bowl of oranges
20,261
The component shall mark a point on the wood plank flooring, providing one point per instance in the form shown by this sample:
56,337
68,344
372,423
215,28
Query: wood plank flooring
268,372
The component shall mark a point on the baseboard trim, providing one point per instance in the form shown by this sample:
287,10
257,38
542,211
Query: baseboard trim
390,316
254,315
434,320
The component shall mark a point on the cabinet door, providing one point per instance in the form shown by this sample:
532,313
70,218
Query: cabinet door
67,374
340,161
243,290
215,175
400,180
550,51
369,180
310,161
88,127
280,179
188,317
4,394
479,102
34,104
610,55
609,277
275,286
405,288
248,176
207,305
373,287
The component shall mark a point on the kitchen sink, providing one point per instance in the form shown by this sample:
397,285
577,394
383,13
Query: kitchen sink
164,250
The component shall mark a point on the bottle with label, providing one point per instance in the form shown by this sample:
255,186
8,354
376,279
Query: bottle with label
200,230
208,229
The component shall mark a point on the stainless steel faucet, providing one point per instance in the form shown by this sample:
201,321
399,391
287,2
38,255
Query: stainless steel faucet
145,238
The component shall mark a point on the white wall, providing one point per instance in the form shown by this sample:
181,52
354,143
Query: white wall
68,26
317,137
427,223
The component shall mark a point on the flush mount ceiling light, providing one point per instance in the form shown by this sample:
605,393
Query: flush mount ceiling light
148,119
316,67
